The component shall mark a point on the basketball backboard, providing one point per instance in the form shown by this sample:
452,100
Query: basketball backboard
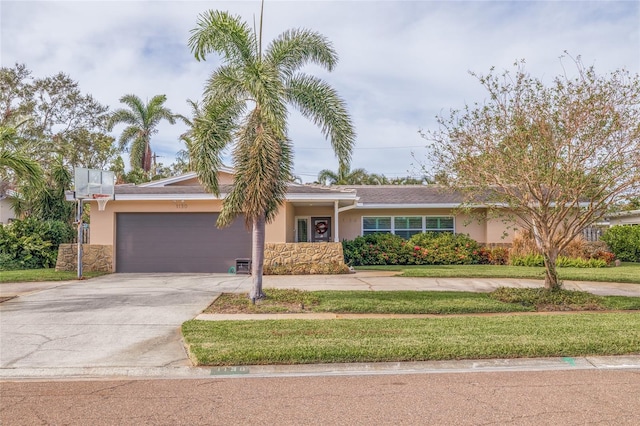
91,182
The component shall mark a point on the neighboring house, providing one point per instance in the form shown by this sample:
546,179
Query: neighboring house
6,210
631,217
169,225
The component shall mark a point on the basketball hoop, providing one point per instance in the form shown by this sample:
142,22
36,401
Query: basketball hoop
102,200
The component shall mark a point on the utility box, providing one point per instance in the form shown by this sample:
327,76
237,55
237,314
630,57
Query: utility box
243,266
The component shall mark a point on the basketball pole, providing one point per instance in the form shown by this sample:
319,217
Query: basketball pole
80,238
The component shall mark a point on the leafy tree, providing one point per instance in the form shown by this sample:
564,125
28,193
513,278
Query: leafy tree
556,156
56,127
246,104
61,120
142,120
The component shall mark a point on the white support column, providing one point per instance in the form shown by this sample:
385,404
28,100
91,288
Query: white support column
335,222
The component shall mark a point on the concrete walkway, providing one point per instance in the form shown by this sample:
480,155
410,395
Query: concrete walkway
378,281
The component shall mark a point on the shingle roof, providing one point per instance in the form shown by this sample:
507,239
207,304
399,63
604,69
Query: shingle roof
404,194
366,194
224,189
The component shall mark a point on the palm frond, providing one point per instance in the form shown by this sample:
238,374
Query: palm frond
263,164
320,103
212,131
226,81
295,48
23,167
127,136
222,33
156,111
137,150
121,116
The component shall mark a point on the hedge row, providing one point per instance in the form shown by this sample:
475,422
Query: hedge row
448,249
421,249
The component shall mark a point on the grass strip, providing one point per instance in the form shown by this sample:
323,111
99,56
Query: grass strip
44,274
419,302
378,340
628,272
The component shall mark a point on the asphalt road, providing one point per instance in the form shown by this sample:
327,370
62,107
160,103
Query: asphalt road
577,397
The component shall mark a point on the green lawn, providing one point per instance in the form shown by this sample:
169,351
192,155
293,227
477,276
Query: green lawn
419,302
47,274
626,273
376,340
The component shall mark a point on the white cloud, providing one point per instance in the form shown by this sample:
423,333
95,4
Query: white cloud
401,62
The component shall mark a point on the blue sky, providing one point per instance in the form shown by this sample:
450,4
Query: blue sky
401,62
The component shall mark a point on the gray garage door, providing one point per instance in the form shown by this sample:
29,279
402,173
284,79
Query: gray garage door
178,242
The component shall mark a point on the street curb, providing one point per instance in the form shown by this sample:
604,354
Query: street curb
630,362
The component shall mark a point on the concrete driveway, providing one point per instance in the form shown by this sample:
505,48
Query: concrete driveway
118,320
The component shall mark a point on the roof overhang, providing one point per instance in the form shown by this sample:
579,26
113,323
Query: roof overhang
417,206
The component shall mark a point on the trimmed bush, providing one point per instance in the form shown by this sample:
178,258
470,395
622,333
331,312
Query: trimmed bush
624,242
444,248
376,249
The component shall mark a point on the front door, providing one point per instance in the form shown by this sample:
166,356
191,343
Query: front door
320,229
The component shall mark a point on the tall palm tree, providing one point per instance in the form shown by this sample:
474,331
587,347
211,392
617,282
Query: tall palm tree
142,120
245,104
344,176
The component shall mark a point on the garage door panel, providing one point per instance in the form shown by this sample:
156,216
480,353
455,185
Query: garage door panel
178,242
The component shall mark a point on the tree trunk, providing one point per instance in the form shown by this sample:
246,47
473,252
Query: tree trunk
257,257
146,159
551,281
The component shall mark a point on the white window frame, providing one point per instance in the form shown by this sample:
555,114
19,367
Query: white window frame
393,228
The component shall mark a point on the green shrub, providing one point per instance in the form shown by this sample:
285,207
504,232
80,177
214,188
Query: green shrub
494,256
527,260
444,248
32,244
421,249
624,242
376,249
578,262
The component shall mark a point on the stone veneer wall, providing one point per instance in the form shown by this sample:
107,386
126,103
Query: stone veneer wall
303,253
95,258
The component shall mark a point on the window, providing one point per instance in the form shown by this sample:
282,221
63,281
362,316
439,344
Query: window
371,225
407,226
439,224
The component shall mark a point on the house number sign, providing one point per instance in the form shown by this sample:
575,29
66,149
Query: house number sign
181,205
